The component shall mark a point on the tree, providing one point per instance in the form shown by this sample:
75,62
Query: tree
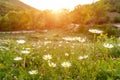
99,11
81,14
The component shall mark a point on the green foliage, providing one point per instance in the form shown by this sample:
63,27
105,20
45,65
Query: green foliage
82,29
99,11
12,5
115,52
90,14
14,15
81,14
30,19
108,29
116,19
114,5
14,21
99,65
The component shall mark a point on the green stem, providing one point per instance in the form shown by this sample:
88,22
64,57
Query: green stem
24,62
94,43
106,54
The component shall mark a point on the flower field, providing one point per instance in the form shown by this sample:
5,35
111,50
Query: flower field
64,58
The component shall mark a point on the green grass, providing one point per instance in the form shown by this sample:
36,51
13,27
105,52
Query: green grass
101,63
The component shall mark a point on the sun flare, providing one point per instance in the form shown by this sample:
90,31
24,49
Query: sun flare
56,4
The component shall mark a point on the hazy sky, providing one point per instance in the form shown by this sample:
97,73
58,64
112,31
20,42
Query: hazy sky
56,4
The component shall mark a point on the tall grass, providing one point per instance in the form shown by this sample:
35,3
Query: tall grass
84,60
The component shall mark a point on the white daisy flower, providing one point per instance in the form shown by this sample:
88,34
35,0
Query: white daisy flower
47,42
51,64
18,58
95,31
82,40
21,41
66,54
25,52
107,45
47,57
32,72
83,57
66,64
80,57
119,45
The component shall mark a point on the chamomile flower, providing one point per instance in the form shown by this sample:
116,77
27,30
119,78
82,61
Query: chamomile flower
47,42
66,54
119,45
83,57
95,31
107,45
18,58
25,52
80,57
82,40
47,57
32,72
66,64
51,64
21,41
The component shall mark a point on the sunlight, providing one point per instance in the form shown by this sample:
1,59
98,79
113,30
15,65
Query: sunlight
56,4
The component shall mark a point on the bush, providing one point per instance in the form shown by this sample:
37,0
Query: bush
115,52
82,29
108,29
102,20
116,19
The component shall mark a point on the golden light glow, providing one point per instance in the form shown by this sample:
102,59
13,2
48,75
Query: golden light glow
56,4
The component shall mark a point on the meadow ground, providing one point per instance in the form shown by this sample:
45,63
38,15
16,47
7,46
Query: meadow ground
57,56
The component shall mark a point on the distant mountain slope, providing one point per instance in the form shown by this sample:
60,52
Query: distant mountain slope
8,5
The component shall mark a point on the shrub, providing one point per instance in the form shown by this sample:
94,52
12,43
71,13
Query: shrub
116,19
115,52
108,29
82,29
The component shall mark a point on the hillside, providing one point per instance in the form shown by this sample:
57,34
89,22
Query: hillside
12,5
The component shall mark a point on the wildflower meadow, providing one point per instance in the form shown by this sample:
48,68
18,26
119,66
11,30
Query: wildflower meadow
64,58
